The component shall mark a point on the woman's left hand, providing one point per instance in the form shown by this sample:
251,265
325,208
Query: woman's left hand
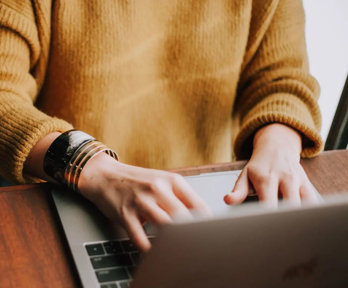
274,169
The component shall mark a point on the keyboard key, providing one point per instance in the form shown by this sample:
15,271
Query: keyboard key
113,247
111,261
128,246
95,249
111,285
112,275
125,284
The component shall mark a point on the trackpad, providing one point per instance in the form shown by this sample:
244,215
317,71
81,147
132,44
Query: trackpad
212,187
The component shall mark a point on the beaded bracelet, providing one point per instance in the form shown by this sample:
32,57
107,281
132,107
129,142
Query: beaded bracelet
69,153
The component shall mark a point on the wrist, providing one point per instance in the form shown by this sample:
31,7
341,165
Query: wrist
69,153
277,135
98,171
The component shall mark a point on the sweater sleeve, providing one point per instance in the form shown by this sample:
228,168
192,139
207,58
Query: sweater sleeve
275,85
21,123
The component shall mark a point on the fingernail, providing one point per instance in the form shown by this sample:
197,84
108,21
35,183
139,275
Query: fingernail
227,199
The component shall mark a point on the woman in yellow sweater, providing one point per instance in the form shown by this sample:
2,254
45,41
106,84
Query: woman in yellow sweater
163,83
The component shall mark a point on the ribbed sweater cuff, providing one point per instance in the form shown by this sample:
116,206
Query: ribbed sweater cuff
22,127
279,108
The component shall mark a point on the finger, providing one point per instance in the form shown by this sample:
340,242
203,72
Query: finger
151,212
167,200
308,193
290,191
267,190
240,190
136,232
173,206
185,193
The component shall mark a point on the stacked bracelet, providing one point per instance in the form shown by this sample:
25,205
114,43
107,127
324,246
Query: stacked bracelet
69,153
79,160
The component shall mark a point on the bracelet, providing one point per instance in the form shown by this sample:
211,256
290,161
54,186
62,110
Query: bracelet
69,153
79,160
74,163
60,152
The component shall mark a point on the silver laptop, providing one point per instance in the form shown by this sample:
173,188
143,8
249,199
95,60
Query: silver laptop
241,246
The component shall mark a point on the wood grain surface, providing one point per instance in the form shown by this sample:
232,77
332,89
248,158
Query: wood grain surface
33,251
32,247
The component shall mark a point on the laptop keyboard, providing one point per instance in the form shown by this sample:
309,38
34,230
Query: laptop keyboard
114,262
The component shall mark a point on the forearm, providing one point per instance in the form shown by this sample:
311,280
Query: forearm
127,194
276,86
21,123
34,163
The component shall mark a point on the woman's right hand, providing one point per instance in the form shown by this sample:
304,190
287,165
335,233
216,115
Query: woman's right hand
132,195
127,194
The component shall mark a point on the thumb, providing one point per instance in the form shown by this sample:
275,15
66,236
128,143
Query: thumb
240,190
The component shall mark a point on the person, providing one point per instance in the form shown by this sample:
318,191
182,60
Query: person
165,84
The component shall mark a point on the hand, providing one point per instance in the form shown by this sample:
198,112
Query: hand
274,169
132,195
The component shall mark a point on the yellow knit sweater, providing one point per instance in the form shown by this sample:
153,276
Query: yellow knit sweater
164,83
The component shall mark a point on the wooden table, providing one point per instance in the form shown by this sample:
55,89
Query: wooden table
33,251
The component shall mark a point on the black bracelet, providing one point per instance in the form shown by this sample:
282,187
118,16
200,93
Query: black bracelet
61,151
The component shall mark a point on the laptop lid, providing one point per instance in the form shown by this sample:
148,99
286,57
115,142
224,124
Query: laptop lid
253,247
